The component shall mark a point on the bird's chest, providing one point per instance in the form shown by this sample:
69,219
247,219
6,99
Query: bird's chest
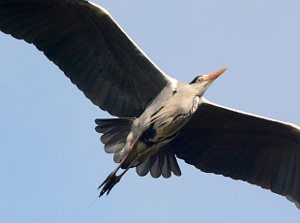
166,122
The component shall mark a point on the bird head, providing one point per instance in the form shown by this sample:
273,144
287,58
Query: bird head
202,82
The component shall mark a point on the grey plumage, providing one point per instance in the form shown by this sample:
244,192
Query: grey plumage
163,163
243,146
114,135
159,117
86,43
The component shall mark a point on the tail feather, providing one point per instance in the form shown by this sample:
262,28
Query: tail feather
104,124
163,163
114,135
115,132
112,138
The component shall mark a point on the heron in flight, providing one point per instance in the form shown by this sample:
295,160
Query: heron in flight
159,119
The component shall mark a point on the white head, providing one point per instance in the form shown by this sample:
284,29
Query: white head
201,83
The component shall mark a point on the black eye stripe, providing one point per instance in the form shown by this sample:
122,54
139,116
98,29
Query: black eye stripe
195,79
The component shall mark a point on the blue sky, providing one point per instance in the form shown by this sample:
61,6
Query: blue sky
51,160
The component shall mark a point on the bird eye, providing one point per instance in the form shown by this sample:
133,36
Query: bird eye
197,79
200,79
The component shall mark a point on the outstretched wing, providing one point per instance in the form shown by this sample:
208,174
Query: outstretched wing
260,151
90,48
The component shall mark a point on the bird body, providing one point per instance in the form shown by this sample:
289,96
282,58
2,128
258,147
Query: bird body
159,119
158,125
161,122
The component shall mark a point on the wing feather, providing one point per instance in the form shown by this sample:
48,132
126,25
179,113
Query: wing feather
85,42
242,146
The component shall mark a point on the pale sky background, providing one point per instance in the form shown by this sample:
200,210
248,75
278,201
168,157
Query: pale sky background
51,160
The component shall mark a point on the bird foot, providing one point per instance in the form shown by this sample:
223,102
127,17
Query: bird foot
109,183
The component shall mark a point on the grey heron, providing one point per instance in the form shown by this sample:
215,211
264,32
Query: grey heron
160,117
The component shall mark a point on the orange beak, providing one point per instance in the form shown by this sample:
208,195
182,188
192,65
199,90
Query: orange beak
215,75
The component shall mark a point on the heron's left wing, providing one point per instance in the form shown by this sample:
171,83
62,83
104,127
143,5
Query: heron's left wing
260,151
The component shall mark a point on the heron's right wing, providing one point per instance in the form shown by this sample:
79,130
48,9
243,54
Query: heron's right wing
260,151
85,42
